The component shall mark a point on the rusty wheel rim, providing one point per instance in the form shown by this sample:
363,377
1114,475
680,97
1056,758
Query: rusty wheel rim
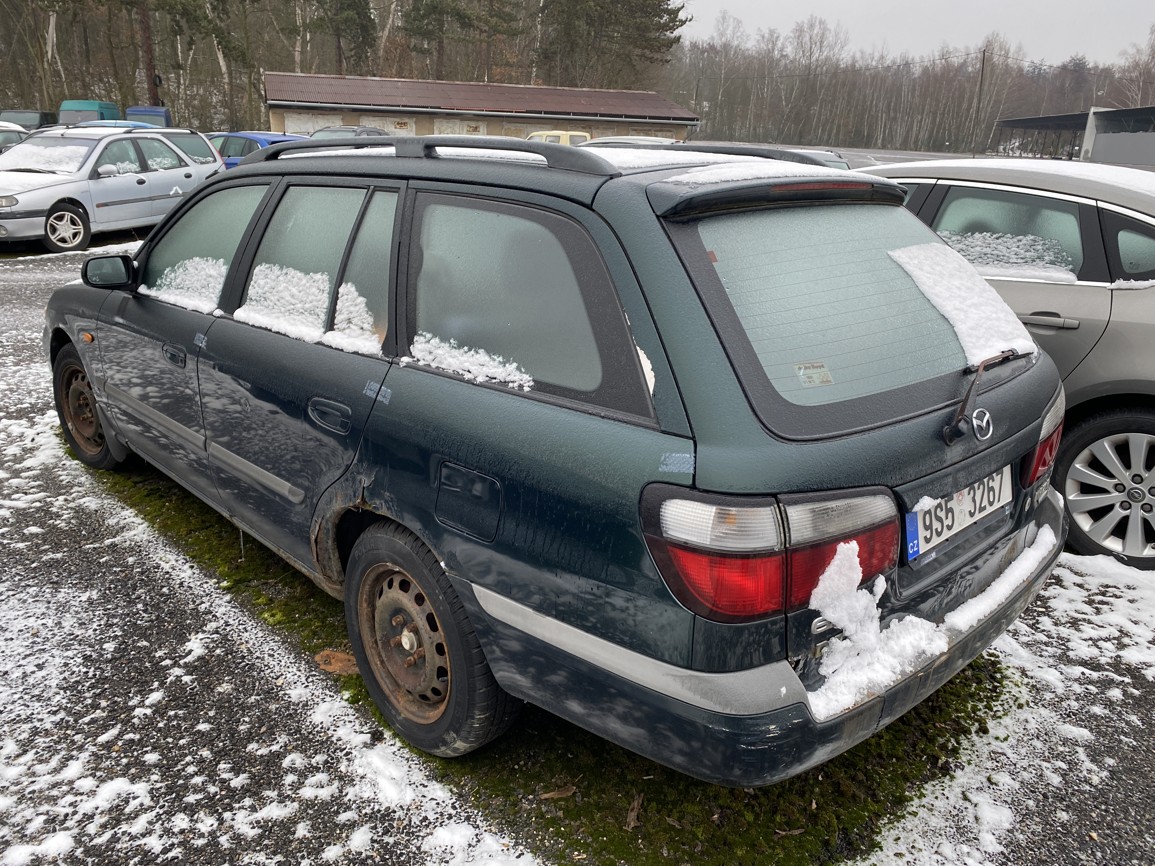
405,644
79,407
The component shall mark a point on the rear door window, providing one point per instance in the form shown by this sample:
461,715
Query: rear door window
321,272
1013,234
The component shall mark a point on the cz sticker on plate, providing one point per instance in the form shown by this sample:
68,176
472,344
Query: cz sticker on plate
930,526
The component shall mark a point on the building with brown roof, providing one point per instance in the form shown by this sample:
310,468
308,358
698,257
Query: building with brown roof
301,103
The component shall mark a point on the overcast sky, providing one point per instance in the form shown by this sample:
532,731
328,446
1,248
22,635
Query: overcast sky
1048,32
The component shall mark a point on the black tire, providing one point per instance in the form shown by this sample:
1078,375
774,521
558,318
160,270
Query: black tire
1106,472
76,407
66,229
416,649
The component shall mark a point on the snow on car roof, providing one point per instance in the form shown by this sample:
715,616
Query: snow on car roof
1073,177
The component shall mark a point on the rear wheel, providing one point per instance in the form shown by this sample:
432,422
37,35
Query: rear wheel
76,407
66,229
1106,472
416,648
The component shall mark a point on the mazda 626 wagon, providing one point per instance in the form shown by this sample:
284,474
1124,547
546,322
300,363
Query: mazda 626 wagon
728,459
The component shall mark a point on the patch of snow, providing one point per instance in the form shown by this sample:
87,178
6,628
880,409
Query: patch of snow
475,365
194,284
866,660
1132,285
985,325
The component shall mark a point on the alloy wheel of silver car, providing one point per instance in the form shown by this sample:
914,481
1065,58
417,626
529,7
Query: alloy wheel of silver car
1110,491
66,229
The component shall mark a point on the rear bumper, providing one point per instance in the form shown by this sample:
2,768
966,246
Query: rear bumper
746,728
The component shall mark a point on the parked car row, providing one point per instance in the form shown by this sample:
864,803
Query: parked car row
727,459
59,184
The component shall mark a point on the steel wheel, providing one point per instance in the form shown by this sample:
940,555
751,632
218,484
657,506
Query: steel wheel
1108,478
416,648
407,651
76,408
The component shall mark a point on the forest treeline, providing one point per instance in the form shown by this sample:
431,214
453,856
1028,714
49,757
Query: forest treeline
205,59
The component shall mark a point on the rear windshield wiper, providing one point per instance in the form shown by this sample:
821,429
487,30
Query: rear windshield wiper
958,426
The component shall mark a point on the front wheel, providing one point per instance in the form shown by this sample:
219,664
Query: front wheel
416,649
1106,472
66,229
76,407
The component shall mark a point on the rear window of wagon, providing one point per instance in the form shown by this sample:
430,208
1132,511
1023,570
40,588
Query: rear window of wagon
818,319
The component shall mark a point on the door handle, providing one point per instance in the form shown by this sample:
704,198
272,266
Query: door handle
1050,320
331,415
140,181
173,354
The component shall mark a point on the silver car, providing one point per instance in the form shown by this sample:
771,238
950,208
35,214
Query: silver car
1071,247
60,186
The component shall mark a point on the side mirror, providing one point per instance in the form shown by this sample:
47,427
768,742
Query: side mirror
108,272
107,171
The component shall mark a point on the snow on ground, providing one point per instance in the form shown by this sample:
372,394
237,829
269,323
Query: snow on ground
1073,657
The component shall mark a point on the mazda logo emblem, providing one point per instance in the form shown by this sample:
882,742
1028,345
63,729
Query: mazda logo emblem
982,424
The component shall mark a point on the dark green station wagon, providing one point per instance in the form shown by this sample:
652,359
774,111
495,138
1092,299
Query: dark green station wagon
729,460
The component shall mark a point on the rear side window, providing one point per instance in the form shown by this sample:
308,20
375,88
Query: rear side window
188,266
1130,246
1006,233
817,315
520,297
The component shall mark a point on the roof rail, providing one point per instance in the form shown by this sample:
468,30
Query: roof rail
560,156
727,149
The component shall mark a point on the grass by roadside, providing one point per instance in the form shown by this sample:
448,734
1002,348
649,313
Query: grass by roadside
575,798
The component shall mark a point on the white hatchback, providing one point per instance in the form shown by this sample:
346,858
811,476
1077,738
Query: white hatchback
62,185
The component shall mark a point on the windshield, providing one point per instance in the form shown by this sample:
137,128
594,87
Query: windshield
332,133
41,153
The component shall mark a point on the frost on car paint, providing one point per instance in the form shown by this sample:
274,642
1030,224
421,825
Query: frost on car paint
867,660
984,323
1023,256
475,365
194,284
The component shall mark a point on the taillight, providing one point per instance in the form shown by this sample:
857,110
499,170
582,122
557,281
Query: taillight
1039,462
730,561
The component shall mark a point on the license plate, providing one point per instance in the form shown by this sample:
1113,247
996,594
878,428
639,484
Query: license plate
932,525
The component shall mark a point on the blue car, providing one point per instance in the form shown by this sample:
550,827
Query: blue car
235,146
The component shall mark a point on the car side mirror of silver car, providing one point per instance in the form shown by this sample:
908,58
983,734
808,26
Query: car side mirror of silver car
107,170
108,272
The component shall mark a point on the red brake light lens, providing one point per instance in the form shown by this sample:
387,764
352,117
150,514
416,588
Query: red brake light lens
877,554
734,586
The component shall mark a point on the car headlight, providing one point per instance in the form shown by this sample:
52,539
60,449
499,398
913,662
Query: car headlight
8,201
